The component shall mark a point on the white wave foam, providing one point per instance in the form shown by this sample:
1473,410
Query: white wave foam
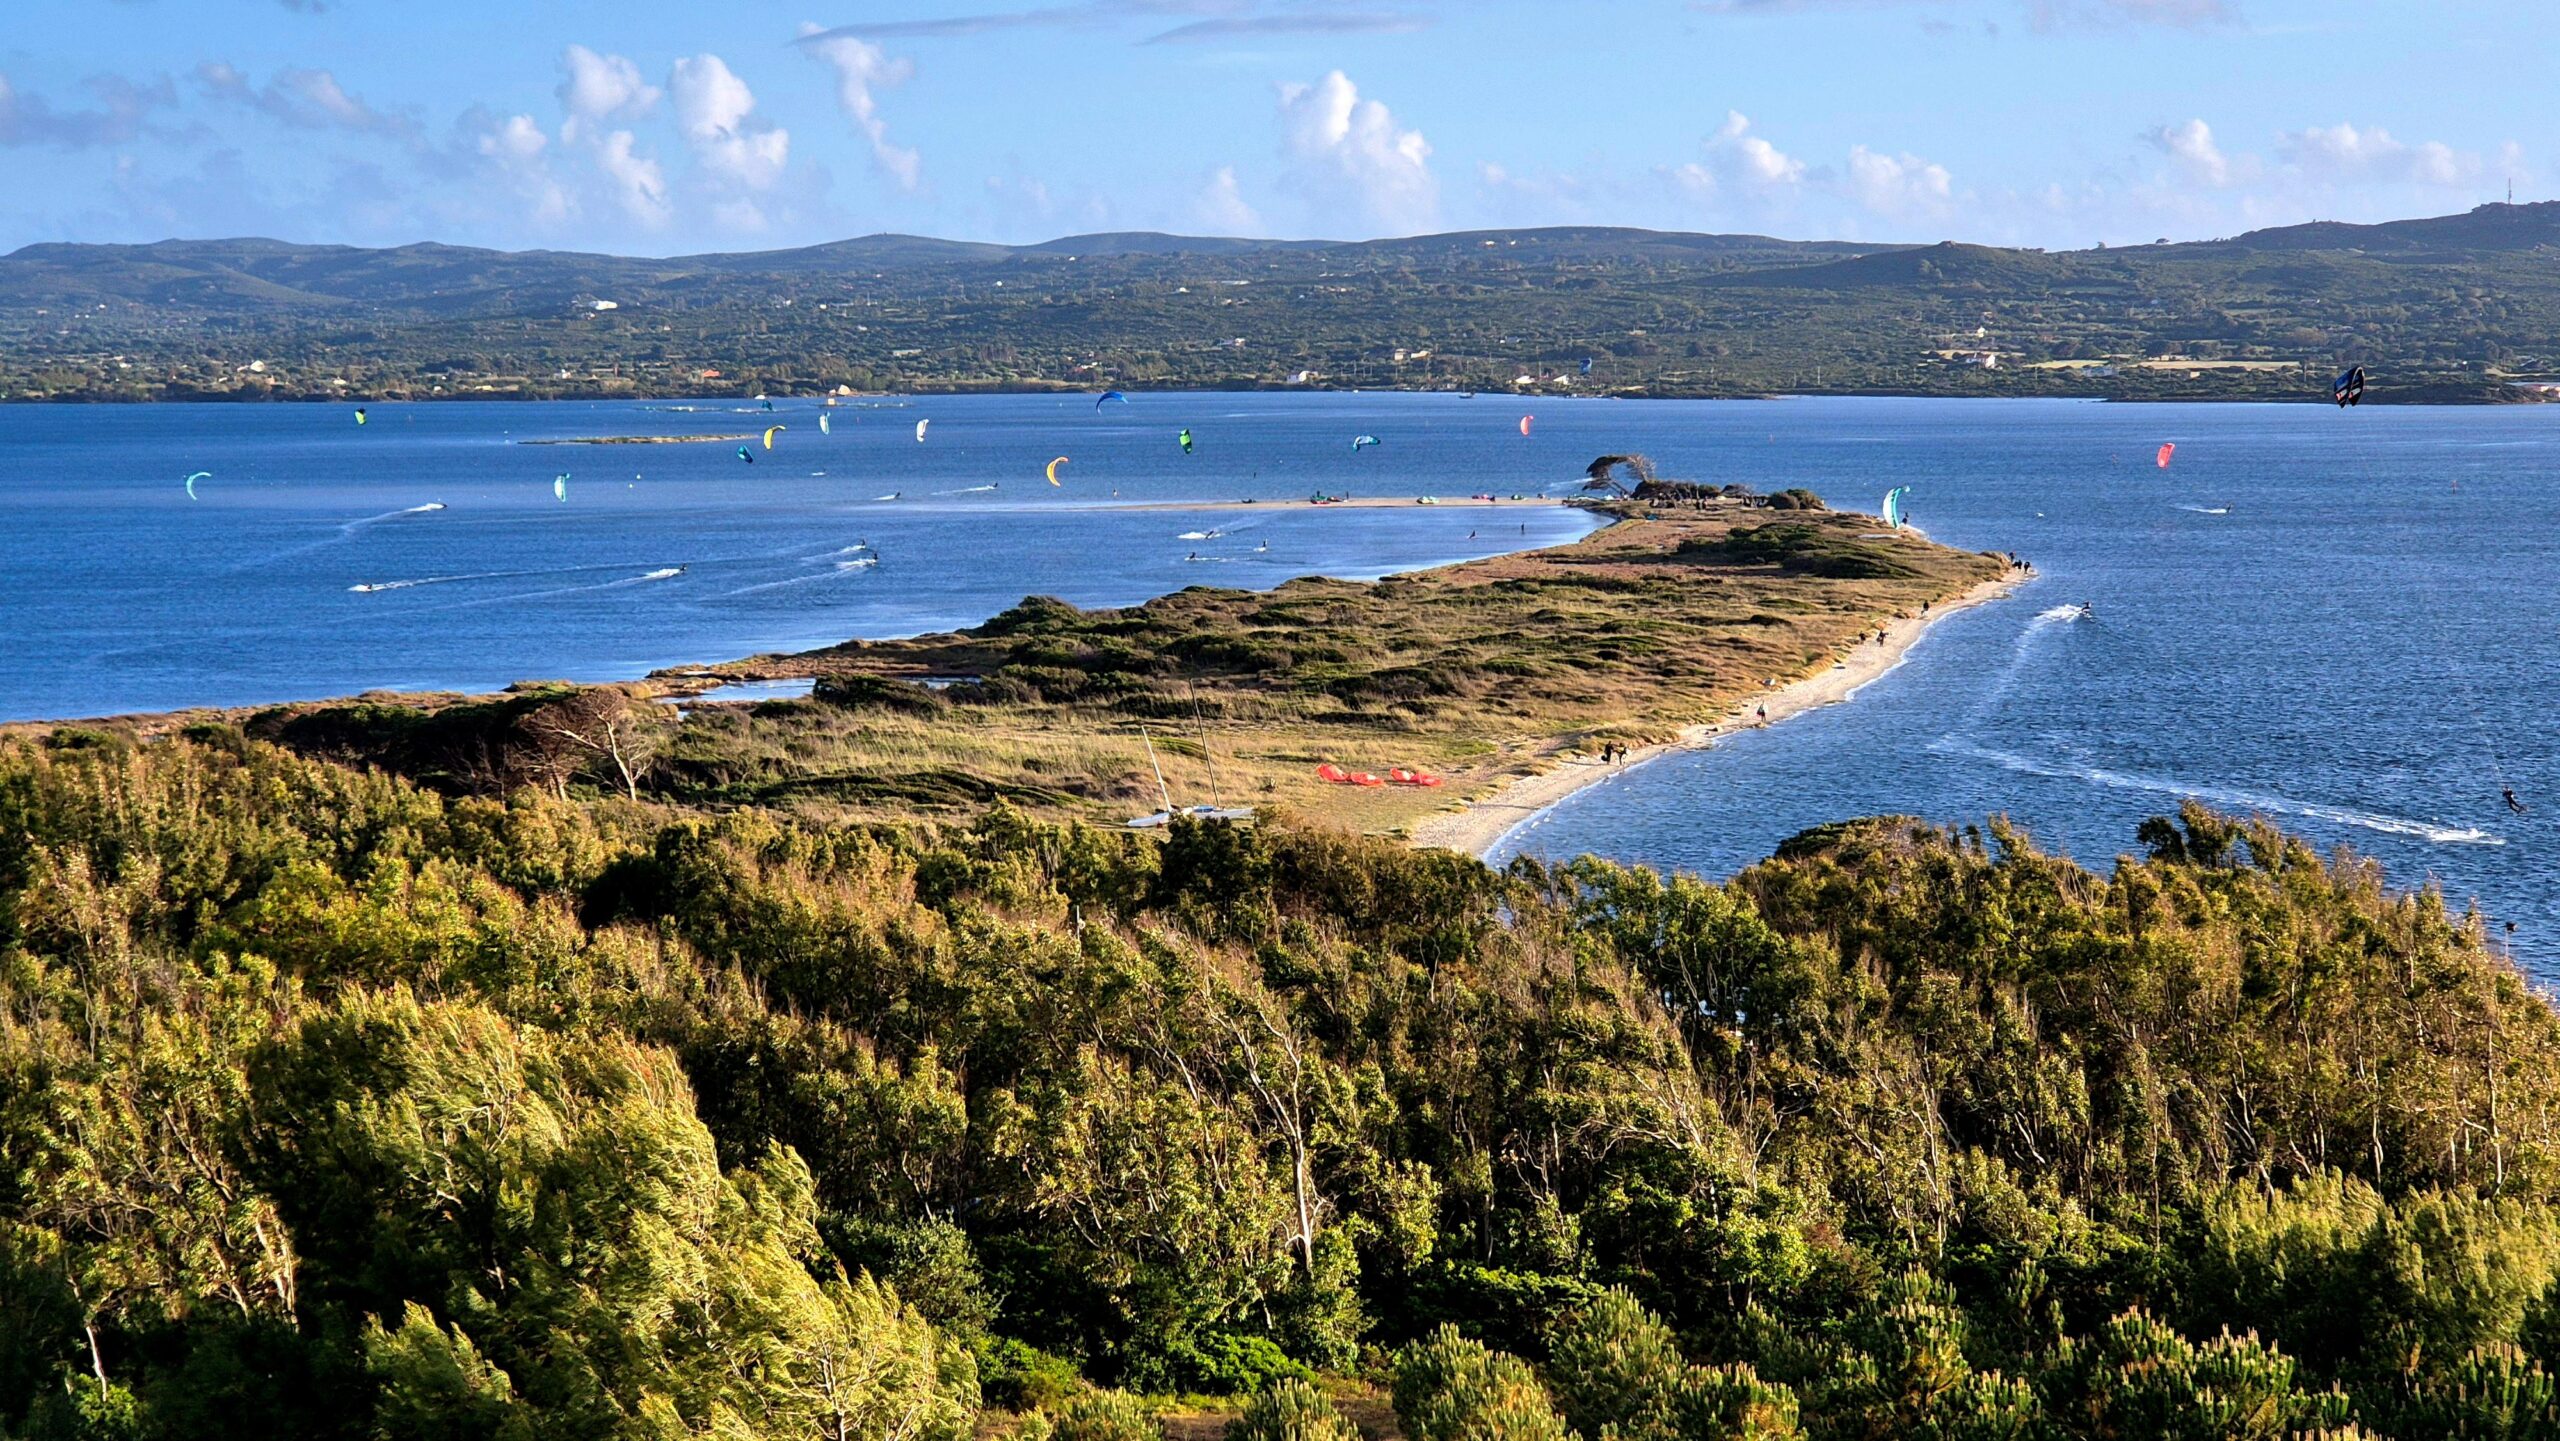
2229,796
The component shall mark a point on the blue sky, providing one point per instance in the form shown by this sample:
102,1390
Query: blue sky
668,126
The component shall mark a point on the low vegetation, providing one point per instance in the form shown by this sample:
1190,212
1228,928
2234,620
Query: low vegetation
1670,616
334,1106
2447,309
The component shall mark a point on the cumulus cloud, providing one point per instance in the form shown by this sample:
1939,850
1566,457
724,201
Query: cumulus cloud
122,111
639,183
517,147
1353,150
1222,207
862,70
1898,186
2344,153
603,87
2191,144
1739,158
594,165
716,112
304,99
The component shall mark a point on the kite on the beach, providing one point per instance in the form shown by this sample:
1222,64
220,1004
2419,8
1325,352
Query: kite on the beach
1893,506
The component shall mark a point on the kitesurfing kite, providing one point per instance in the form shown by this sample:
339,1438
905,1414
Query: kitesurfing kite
1358,441
1184,439
823,427
1109,396
920,425
746,455
2166,451
770,432
1893,506
191,482
1524,425
1586,365
359,415
1053,469
2348,389
767,404
560,486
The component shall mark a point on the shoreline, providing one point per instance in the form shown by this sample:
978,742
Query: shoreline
1484,823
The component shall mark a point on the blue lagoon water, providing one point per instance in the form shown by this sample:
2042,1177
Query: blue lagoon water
2345,620
119,594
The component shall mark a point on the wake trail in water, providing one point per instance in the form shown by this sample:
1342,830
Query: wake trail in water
346,531
668,572
967,490
2226,796
836,571
2206,509
2021,651
369,587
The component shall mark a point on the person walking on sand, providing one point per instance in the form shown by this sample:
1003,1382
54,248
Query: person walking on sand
1764,713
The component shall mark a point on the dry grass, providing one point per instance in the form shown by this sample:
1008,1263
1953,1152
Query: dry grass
1478,672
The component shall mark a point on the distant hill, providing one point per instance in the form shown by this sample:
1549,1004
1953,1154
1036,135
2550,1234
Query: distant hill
2449,307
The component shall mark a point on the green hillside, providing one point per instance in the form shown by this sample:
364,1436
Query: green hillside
2450,308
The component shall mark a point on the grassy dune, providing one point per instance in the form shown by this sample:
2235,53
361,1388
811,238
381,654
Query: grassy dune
1478,672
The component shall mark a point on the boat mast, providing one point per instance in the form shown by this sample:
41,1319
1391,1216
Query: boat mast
1161,790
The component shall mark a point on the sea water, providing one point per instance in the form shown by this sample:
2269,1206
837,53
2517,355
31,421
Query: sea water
2344,620
427,548
2347,621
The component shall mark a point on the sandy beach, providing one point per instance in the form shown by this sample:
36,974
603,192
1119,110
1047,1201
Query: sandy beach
1481,825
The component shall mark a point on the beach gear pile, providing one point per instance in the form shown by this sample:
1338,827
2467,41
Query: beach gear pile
1398,777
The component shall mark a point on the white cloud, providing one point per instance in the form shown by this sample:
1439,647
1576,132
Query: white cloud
603,87
1222,207
862,69
2343,153
2058,14
519,150
716,112
1743,158
1353,146
27,120
2191,144
638,183
304,99
1898,186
